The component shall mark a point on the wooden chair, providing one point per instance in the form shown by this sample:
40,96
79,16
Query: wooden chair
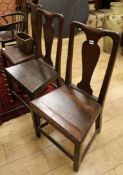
12,54
73,109
36,74
14,22
9,29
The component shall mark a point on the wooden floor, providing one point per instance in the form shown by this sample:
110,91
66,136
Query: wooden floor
21,153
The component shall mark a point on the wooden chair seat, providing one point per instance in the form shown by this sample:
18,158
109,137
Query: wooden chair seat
33,75
6,36
74,117
14,55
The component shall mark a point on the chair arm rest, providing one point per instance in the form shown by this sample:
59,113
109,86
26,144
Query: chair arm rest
9,26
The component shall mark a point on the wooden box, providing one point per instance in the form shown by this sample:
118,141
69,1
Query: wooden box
24,42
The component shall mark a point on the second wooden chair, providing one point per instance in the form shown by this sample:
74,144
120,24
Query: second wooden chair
36,74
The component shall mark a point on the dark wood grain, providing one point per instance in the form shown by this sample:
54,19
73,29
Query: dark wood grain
15,55
33,75
75,117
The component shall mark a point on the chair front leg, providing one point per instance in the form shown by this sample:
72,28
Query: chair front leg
36,123
98,123
11,86
77,156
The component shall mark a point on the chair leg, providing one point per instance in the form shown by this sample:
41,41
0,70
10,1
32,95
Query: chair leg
11,87
98,124
77,156
4,61
3,44
36,123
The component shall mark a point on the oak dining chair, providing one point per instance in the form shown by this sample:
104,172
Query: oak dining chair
34,75
72,109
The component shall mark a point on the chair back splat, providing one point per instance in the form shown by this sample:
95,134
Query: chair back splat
90,56
73,109
47,19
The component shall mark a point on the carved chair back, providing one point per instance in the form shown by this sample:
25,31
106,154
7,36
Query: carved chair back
48,34
91,52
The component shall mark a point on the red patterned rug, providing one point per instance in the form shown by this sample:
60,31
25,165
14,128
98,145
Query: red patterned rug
10,109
